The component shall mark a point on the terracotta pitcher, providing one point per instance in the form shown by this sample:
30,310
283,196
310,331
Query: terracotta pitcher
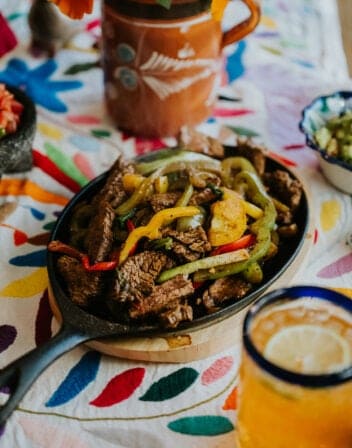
162,66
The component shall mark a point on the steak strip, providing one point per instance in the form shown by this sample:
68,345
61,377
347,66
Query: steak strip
162,297
224,289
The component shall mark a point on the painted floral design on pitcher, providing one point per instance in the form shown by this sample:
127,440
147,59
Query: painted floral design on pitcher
155,72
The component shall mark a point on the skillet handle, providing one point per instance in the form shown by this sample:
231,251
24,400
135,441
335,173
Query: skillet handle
21,373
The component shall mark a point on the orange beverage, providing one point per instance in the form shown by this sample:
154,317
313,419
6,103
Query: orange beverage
296,372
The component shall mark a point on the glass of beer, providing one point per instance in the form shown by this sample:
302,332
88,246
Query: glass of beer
295,386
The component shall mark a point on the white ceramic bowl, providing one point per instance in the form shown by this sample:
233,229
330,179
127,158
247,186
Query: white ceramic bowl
314,116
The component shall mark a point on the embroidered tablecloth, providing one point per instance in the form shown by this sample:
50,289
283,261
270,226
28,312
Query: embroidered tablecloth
86,399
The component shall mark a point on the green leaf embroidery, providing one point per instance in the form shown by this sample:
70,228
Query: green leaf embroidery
100,133
170,386
203,425
243,131
77,68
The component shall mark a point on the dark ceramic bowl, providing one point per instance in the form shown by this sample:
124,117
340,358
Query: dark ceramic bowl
273,269
314,117
16,148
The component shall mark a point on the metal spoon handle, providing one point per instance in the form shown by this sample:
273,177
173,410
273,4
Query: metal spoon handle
21,373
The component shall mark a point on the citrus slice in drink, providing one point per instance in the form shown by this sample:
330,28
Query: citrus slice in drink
308,349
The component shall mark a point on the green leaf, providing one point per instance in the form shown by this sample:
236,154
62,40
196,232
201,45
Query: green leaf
170,386
100,133
243,131
203,425
165,3
77,68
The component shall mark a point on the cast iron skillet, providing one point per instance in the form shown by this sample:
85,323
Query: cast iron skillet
79,326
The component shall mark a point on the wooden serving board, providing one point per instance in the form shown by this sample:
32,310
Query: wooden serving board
196,344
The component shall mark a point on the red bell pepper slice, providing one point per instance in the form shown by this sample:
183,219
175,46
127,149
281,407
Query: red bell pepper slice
100,266
130,226
241,243
58,246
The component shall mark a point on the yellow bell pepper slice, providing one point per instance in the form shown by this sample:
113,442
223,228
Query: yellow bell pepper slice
252,210
229,220
131,181
161,184
152,229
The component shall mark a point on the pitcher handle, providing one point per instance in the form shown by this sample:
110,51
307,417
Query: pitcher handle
242,29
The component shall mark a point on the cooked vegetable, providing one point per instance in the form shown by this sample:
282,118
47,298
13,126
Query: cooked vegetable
233,165
260,228
161,184
191,222
253,273
336,137
153,229
229,220
141,194
186,196
187,158
252,210
131,181
121,220
10,112
58,246
101,266
204,263
242,243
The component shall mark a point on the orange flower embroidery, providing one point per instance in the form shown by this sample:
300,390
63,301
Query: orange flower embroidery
74,8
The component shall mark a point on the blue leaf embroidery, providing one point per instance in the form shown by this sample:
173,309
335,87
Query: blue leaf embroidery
77,379
37,84
33,259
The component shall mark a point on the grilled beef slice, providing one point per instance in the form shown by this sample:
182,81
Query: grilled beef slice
135,278
205,196
83,286
282,186
159,201
113,191
99,237
179,313
223,289
189,245
253,152
162,296
192,140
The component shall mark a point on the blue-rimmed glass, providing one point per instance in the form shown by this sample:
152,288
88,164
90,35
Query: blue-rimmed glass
289,294
279,408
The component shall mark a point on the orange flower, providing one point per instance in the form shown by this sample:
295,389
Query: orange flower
74,8
218,8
